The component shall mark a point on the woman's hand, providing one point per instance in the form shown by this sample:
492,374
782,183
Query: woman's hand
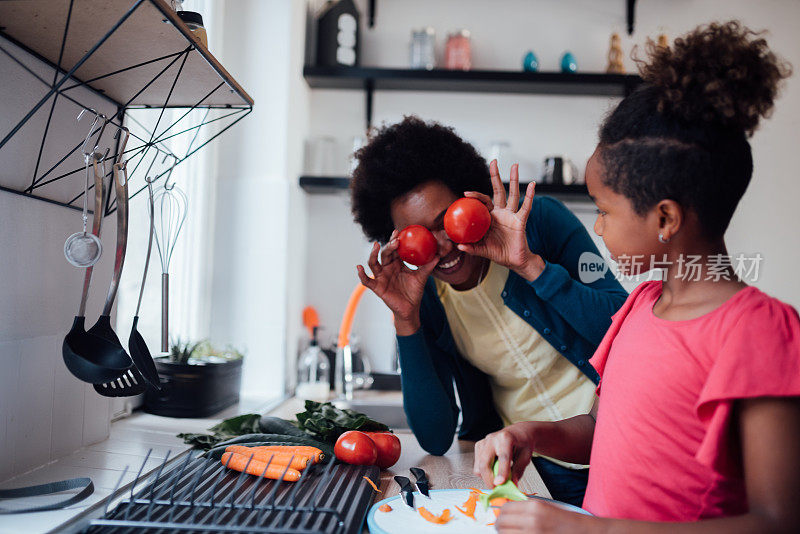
505,242
395,284
541,517
512,447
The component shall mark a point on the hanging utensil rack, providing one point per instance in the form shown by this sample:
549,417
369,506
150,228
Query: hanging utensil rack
201,495
85,43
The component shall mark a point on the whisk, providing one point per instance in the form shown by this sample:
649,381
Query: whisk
171,206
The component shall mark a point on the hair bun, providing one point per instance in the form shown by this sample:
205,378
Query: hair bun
723,74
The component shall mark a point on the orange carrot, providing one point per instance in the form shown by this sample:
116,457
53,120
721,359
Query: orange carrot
292,460
239,462
498,501
496,511
428,516
371,483
475,490
385,508
469,505
311,452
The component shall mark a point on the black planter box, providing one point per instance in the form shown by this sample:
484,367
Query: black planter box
194,390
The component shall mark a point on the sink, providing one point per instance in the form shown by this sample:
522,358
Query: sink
388,413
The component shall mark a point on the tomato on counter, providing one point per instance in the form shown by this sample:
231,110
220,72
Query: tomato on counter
357,448
388,446
467,220
416,245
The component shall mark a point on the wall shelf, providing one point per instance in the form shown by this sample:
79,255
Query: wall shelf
325,185
134,54
371,79
474,81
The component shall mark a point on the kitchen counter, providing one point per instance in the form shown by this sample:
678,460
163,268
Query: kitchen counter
131,439
452,470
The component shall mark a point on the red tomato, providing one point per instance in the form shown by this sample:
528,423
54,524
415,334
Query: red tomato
467,220
354,447
388,448
417,245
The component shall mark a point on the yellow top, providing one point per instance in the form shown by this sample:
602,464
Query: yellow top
530,380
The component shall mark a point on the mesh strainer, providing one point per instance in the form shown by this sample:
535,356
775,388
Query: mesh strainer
83,249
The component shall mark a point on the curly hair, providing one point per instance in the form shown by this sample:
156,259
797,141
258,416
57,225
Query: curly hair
403,156
683,134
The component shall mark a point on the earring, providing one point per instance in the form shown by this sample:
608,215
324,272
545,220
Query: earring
661,239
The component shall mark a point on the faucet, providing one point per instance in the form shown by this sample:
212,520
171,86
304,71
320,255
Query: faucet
343,376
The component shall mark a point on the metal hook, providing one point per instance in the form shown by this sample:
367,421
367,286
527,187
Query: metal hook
121,153
97,117
167,185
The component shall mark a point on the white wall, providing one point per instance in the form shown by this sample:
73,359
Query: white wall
257,233
45,412
502,32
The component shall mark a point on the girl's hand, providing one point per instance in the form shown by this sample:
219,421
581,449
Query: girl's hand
512,447
541,517
395,284
505,242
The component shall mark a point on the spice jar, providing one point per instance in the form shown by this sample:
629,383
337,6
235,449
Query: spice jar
422,53
458,52
194,20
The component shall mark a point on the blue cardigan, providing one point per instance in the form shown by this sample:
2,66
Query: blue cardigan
570,315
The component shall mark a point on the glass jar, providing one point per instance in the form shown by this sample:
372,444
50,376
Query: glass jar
422,51
194,20
313,374
458,52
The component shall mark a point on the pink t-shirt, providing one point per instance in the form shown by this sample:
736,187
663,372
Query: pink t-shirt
665,447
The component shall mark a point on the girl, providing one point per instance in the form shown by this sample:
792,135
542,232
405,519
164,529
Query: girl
699,418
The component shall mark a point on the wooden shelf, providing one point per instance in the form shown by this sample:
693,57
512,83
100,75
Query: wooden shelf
325,185
478,81
151,31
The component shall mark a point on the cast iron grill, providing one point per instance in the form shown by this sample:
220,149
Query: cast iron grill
202,495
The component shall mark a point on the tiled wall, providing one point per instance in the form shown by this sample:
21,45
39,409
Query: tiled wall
45,412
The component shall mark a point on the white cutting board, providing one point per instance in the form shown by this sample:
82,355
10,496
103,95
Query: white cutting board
402,519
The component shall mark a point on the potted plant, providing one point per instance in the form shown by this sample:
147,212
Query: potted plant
197,380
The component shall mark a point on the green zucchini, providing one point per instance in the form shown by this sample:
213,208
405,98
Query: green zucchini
276,425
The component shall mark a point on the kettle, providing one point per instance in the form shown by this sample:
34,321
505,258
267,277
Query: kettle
560,170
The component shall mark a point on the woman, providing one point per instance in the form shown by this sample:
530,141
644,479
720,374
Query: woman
505,319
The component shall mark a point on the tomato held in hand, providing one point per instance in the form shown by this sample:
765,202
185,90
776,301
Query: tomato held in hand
354,447
388,448
416,245
467,220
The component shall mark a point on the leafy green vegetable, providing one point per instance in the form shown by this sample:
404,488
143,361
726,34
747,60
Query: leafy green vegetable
507,490
326,422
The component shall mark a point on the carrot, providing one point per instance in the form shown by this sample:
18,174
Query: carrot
469,505
282,458
498,501
371,483
496,511
428,516
475,490
239,462
311,452
385,508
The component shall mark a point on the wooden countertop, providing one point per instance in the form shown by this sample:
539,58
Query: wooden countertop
452,470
